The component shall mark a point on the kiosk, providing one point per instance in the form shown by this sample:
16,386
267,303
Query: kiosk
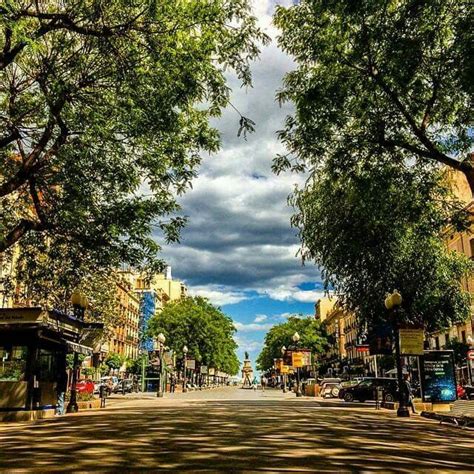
34,343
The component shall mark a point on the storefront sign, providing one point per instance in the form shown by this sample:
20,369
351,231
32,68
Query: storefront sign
438,376
411,341
362,348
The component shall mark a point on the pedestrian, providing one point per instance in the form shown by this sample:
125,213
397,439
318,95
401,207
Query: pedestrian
102,394
172,383
254,383
409,393
61,388
264,383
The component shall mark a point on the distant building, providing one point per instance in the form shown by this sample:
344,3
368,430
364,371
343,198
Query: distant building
155,292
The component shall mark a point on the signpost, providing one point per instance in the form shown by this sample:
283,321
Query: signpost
297,360
411,341
438,376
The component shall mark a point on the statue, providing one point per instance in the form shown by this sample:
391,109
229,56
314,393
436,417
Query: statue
247,372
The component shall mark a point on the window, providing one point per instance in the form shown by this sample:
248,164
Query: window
47,365
13,363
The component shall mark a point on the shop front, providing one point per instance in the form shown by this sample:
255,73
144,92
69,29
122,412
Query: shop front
33,348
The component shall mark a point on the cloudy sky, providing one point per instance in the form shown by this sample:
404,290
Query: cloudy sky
238,248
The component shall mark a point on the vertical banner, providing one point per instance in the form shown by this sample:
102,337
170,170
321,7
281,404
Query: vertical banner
438,377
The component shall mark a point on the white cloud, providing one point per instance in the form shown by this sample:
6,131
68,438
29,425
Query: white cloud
218,295
260,318
251,327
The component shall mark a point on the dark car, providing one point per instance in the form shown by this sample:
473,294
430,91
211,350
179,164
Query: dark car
366,390
124,386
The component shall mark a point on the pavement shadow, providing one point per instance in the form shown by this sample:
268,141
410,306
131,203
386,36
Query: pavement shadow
235,436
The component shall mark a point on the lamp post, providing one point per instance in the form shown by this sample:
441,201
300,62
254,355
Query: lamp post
283,352
392,302
79,304
296,340
185,352
159,345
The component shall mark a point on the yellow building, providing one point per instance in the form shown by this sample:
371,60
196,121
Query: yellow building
125,336
343,330
463,243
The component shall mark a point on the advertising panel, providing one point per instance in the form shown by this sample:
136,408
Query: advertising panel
438,376
191,364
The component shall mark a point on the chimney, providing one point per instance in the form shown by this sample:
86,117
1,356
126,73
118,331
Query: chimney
168,273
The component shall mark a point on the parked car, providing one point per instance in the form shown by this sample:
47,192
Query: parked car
85,386
365,390
329,387
124,386
469,389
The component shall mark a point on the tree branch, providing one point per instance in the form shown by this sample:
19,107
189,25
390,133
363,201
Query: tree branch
24,226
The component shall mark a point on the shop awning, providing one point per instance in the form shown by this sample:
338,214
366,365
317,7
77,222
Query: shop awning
79,348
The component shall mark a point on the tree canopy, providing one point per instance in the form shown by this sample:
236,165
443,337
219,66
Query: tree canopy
379,75
203,328
378,226
311,333
104,111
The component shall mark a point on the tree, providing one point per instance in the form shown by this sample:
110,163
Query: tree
47,276
460,350
379,75
203,328
375,226
104,110
312,335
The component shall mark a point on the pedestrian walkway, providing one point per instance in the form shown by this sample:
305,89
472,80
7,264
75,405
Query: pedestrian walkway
234,430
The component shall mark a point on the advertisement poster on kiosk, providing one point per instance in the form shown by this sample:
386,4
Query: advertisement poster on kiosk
438,376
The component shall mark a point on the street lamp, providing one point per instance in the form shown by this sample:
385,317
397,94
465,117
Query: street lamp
283,352
392,303
296,339
79,304
159,345
185,352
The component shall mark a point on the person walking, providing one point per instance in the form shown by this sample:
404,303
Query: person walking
409,394
61,388
264,383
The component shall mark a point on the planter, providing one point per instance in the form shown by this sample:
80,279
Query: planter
90,405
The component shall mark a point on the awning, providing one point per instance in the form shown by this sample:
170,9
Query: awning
79,348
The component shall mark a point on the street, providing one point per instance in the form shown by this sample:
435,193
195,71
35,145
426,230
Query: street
234,430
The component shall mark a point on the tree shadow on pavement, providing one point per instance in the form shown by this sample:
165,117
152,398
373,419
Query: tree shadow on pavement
233,436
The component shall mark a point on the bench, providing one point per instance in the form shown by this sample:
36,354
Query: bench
461,414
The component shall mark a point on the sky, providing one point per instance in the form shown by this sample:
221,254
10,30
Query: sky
238,248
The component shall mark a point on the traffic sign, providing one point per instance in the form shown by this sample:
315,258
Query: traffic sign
470,354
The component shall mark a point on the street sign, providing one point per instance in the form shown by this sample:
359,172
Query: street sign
411,341
297,359
191,364
470,354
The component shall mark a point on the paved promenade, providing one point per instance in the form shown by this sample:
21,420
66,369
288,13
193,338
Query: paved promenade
234,430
